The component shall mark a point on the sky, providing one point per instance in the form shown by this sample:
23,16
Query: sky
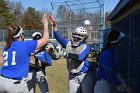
41,4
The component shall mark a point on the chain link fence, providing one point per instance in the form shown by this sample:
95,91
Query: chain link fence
73,13
27,35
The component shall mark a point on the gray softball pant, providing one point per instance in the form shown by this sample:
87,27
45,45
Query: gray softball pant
13,86
37,77
104,86
83,83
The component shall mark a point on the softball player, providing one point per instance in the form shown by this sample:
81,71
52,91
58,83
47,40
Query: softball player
80,78
106,73
37,73
16,57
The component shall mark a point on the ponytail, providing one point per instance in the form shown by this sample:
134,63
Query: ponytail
9,38
12,31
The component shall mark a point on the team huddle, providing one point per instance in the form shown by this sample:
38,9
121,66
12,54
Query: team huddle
25,61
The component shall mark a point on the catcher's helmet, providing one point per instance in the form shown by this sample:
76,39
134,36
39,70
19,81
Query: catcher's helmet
79,35
36,35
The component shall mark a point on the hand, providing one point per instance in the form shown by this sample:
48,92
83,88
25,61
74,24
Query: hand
32,60
129,90
122,87
45,19
32,54
37,50
52,21
65,54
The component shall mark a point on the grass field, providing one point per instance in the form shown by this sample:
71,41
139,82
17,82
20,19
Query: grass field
57,76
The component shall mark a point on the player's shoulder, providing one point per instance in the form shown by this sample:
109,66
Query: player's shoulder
106,52
85,45
25,41
30,41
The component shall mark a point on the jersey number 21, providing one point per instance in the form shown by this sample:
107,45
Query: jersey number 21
5,55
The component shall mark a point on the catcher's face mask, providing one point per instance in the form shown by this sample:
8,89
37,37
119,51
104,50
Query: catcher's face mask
78,36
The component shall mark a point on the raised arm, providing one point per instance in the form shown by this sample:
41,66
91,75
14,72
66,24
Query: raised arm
57,35
53,23
44,40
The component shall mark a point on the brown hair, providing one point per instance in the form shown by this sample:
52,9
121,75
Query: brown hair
12,30
112,35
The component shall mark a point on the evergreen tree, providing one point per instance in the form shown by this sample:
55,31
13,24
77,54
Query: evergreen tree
5,16
31,19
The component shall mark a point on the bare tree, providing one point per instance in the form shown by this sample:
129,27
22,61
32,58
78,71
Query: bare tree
16,9
107,23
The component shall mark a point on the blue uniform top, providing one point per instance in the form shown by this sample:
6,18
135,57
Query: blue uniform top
107,67
82,56
44,57
17,58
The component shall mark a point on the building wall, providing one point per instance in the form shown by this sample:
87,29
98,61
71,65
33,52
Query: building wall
126,13
128,56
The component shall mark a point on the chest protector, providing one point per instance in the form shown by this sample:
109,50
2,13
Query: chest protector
74,66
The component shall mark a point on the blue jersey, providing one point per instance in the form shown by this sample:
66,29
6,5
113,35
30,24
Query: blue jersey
44,57
107,67
17,58
80,57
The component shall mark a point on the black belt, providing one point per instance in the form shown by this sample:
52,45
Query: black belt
17,82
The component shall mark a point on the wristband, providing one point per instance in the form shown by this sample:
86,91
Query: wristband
45,24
